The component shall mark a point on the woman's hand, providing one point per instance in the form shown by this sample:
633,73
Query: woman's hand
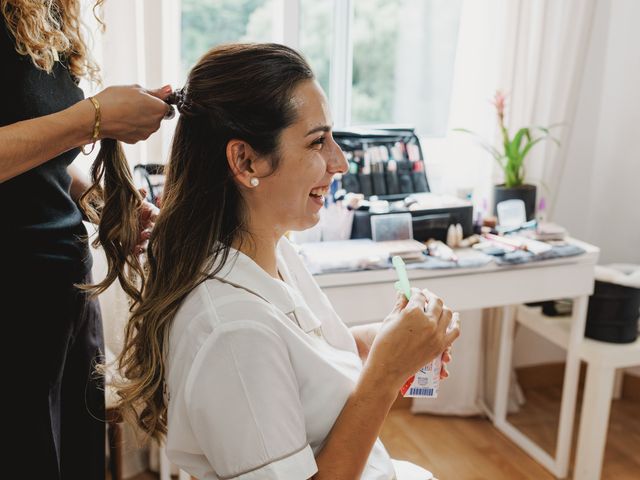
413,334
147,216
446,358
364,335
131,113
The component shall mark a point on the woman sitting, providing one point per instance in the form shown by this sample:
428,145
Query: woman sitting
232,350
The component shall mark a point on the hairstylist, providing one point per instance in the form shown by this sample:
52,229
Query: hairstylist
55,426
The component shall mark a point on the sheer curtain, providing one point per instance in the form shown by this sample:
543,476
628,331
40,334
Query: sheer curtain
546,45
534,50
139,45
545,50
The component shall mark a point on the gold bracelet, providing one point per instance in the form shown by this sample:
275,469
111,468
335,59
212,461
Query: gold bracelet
96,126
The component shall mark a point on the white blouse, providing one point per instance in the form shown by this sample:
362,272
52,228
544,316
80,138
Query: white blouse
258,371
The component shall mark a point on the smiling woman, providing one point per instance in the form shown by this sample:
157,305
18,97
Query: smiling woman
306,153
232,351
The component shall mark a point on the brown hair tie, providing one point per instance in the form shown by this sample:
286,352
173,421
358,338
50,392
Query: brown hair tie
177,98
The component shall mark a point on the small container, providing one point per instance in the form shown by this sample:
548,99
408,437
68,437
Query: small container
613,313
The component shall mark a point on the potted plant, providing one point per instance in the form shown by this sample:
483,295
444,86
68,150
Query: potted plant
511,158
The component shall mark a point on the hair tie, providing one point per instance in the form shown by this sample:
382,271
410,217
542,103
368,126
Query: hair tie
177,98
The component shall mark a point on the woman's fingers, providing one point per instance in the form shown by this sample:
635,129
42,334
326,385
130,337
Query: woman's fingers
446,355
434,304
131,113
148,215
453,330
161,93
401,302
417,300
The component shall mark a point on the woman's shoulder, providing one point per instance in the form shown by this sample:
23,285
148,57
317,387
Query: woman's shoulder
215,305
215,309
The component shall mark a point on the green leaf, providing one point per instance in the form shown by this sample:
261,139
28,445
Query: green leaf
515,150
531,144
489,148
547,132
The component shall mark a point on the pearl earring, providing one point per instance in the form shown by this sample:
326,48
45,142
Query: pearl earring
254,182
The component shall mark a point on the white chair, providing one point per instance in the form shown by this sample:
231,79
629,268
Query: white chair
602,359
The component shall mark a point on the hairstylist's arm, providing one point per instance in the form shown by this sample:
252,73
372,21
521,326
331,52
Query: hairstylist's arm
128,113
410,337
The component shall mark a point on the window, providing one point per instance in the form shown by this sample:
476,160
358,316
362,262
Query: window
316,38
403,58
379,61
206,23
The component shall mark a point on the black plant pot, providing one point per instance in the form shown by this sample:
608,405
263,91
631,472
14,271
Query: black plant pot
526,193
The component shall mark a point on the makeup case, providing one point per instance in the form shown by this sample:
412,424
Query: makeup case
387,163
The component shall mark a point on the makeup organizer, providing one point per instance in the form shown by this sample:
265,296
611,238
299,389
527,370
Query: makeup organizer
386,163
386,166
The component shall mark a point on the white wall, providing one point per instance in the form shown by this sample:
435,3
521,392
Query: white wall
599,200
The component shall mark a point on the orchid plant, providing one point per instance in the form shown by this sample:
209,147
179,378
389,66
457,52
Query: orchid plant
514,150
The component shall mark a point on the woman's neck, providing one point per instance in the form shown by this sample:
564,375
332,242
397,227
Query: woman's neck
262,250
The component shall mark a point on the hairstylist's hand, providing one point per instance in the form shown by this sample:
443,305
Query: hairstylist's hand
411,336
131,113
147,215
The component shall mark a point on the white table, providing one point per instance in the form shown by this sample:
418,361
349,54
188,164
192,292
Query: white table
363,297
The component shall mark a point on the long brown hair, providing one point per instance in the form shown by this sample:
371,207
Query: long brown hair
46,30
237,91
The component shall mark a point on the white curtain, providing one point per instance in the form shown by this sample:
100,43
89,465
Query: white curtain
545,50
535,50
140,45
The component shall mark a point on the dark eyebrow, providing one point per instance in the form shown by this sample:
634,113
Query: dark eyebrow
321,128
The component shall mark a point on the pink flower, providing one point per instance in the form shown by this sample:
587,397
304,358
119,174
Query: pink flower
499,101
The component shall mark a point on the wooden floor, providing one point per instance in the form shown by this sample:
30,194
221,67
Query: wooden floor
471,449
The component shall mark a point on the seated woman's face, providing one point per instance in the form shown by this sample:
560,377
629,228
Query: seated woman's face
291,197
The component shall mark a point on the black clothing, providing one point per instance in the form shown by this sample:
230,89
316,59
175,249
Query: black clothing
56,429
41,225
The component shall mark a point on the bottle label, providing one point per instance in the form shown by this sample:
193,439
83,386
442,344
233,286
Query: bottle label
425,383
